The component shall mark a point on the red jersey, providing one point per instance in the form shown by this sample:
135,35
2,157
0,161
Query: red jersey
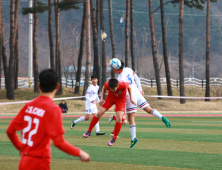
39,121
120,93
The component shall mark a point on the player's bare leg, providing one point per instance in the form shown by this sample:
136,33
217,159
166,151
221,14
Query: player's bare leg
94,121
154,112
132,125
81,119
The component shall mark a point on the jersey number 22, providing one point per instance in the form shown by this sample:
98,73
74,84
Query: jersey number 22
27,129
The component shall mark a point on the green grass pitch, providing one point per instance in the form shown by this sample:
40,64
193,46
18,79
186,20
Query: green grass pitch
191,143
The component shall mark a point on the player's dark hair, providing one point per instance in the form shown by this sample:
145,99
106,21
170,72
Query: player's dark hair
122,64
48,80
113,82
94,76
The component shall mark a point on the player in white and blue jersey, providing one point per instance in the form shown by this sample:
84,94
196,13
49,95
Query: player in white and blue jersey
128,75
90,105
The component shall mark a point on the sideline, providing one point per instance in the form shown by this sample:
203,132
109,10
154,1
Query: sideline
139,115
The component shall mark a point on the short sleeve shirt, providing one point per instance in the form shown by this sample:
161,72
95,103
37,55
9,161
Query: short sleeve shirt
39,121
120,93
127,75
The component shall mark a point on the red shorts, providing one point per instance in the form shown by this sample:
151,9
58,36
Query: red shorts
124,116
34,163
120,104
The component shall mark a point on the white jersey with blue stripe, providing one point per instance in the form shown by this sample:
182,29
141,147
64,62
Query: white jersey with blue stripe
127,75
91,94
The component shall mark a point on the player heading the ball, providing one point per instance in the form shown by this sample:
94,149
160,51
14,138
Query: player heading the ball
128,75
116,95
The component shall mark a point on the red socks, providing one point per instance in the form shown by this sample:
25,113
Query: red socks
114,117
93,123
117,129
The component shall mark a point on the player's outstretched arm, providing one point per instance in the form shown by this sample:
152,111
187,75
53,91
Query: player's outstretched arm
102,95
66,147
131,97
137,79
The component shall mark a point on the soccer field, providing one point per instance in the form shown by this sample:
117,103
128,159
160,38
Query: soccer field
191,143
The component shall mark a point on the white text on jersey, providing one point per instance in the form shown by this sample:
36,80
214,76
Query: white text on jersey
35,111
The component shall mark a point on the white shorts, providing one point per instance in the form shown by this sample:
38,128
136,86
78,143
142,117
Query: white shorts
90,109
140,101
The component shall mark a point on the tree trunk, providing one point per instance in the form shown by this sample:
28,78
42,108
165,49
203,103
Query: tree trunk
16,64
4,56
207,92
1,56
58,59
131,35
95,40
88,47
35,51
111,33
10,88
165,55
154,51
16,59
102,27
52,65
97,17
181,70
127,35
81,49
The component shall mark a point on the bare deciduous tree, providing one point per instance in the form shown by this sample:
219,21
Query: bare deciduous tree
10,86
88,47
127,35
181,69
16,46
81,49
95,40
207,92
112,33
57,53
52,64
154,50
35,52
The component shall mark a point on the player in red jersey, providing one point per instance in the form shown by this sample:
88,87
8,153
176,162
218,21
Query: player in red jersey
116,95
40,121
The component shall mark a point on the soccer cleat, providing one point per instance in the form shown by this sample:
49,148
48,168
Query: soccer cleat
111,142
133,142
100,133
166,121
110,119
87,134
112,134
72,124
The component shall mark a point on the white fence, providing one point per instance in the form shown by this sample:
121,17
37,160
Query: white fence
187,82
144,82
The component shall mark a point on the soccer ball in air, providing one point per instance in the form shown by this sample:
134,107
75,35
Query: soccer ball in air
115,63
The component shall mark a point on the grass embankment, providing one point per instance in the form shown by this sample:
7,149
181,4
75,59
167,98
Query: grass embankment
172,105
